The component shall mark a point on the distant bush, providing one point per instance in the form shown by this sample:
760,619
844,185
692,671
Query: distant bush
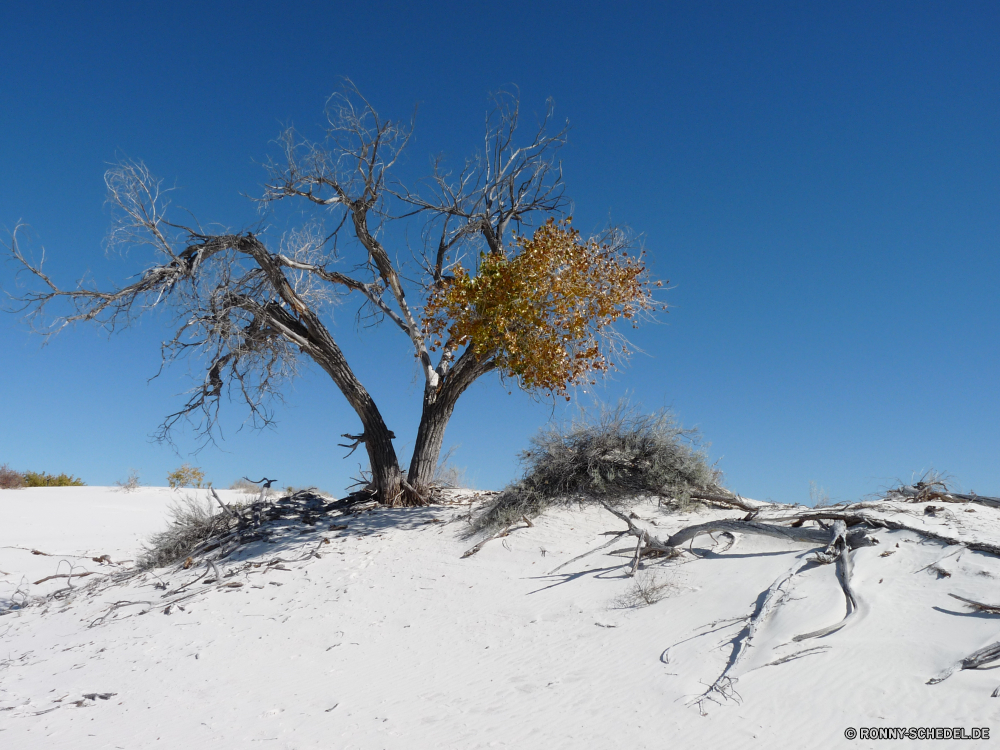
41,479
291,490
621,454
186,476
244,485
130,483
10,479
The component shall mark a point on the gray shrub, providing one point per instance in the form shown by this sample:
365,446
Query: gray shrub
620,454
192,521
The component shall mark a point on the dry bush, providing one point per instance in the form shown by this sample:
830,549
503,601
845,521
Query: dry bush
186,476
818,496
245,485
451,477
192,521
131,483
447,475
647,588
10,479
619,455
290,490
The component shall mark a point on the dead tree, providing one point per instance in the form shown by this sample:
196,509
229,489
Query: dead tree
251,307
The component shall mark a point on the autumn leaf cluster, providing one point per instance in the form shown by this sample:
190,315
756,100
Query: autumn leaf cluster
544,309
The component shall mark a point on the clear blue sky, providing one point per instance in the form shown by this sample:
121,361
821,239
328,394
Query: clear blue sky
820,182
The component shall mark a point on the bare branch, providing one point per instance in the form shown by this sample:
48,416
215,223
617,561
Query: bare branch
501,186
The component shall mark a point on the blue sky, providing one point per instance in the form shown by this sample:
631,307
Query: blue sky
819,182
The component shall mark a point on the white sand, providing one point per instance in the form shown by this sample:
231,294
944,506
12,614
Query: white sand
391,640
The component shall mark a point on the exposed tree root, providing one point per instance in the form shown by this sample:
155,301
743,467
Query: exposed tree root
797,655
807,535
856,519
979,659
767,602
839,544
837,551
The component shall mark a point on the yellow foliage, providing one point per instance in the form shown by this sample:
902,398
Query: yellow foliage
544,308
186,476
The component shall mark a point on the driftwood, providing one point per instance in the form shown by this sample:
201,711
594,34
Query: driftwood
925,492
732,501
855,538
981,658
62,575
651,542
859,518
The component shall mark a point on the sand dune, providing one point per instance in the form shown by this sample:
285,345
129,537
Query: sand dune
389,639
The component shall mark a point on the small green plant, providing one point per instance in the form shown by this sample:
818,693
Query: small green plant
10,479
187,476
41,479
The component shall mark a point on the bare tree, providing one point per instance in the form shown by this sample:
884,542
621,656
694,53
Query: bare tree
251,310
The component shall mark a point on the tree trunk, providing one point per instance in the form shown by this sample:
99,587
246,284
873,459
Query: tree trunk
439,404
430,436
308,332
382,458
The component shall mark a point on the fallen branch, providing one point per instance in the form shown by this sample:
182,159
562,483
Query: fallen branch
993,609
671,547
796,655
617,535
921,492
854,519
858,538
652,542
112,608
638,554
499,535
473,550
63,575
980,658
733,501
